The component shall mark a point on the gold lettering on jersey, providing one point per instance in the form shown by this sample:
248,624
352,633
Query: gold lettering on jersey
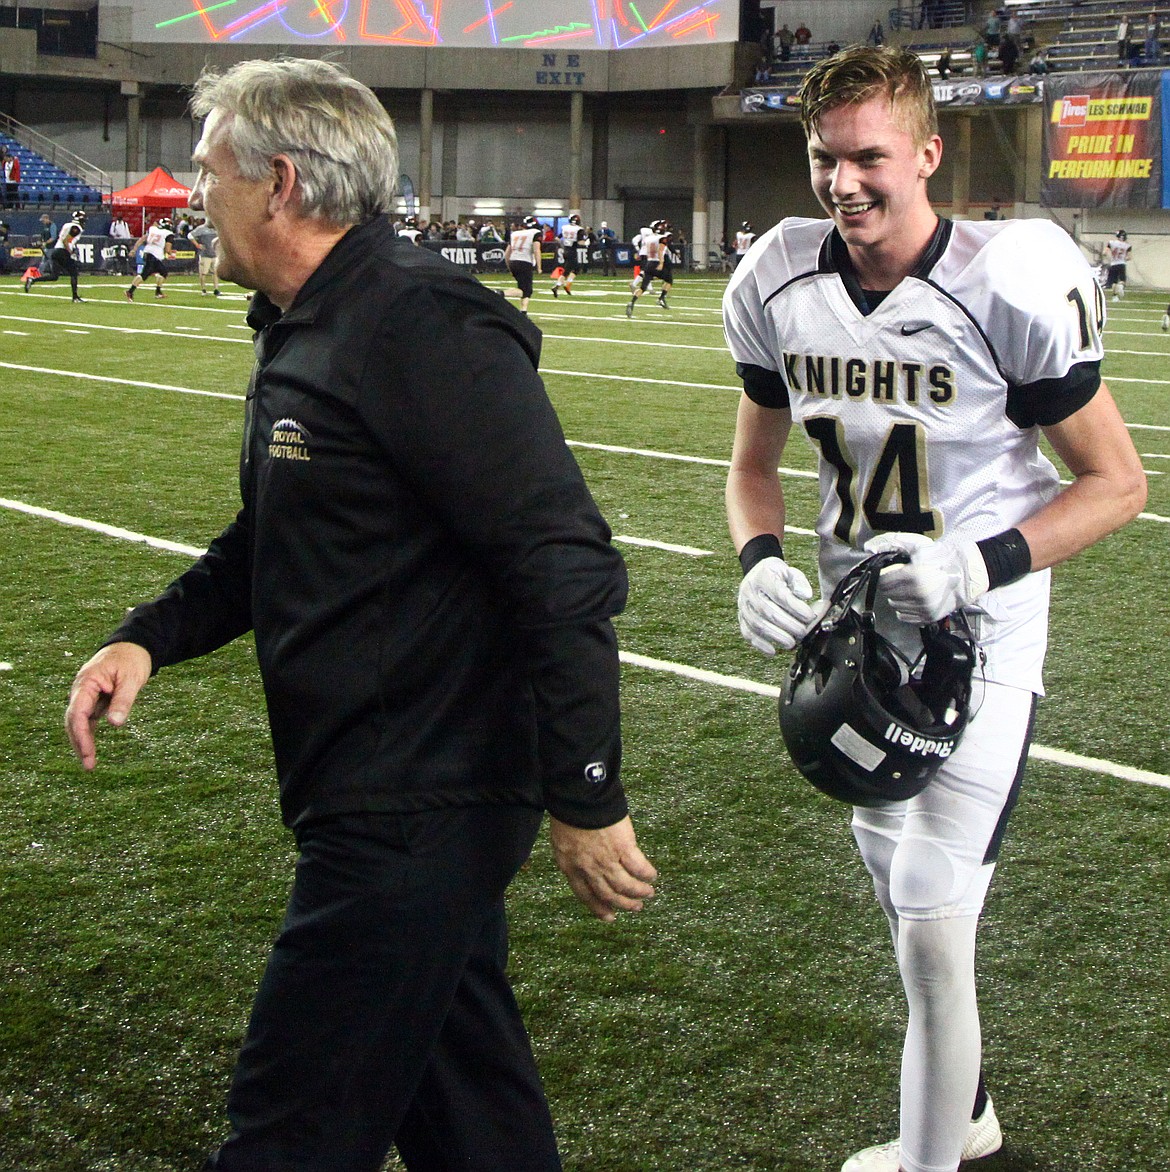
882,380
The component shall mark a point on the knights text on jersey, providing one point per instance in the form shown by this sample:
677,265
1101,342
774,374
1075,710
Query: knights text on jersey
925,412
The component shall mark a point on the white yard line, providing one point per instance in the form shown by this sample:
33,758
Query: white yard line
736,683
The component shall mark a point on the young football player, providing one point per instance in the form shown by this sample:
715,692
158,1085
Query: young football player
572,235
63,256
923,358
157,245
522,256
1116,255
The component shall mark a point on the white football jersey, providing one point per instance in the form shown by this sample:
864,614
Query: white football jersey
525,247
925,412
743,241
650,245
411,234
569,234
1118,251
68,235
639,241
156,240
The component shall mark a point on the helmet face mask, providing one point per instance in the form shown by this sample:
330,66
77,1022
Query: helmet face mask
1121,234
859,721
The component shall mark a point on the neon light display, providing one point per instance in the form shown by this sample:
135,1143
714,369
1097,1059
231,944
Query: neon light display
479,24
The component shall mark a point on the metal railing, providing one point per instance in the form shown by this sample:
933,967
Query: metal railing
56,154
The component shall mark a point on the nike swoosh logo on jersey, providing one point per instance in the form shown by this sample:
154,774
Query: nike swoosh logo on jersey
915,327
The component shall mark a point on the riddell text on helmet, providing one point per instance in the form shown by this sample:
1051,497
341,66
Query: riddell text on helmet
922,746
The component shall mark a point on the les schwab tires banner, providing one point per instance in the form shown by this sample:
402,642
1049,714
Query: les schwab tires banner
1103,141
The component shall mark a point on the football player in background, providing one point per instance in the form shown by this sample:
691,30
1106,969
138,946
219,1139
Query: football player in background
924,358
157,248
744,239
1116,255
572,234
410,230
522,256
665,264
62,257
650,251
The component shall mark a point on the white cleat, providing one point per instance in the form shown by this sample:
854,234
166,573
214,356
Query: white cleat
984,1138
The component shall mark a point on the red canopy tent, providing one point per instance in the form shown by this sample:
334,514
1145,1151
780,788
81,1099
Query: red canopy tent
157,190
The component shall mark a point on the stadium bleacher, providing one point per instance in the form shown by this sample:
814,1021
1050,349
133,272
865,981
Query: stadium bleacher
44,184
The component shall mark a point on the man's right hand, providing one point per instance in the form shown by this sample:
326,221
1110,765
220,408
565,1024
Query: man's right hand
774,606
105,686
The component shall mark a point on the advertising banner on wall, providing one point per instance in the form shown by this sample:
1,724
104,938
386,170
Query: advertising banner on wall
1102,141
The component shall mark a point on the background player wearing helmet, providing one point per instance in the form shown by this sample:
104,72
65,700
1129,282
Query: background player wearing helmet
157,251
650,249
744,239
1116,255
62,256
522,256
410,230
572,235
923,368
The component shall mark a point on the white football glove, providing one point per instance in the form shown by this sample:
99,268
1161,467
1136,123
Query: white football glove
941,576
773,606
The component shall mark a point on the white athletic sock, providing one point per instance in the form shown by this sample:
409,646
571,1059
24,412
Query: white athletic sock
941,1057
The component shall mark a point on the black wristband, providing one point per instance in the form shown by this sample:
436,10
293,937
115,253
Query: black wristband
766,545
1006,556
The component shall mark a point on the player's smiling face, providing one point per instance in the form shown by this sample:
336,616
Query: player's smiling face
870,176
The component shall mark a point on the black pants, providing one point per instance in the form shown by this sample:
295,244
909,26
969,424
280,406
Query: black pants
385,1016
61,260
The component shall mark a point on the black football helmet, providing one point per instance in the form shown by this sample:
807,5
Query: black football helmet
574,219
531,222
410,222
746,226
79,217
1121,234
165,223
860,721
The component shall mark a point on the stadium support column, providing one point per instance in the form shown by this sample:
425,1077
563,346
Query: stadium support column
576,122
699,227
426,145
961,176
133,96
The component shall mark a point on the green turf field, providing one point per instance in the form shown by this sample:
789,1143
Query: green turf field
751,1017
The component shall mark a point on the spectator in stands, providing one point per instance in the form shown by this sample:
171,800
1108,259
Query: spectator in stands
763,75
992,29
785,38
119,229
943,64
1124,32
979,57
1152,49
927,18
832,47
877,35
464,234
11,180
803,37
1040,63
1009,54
1015,30
489,234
